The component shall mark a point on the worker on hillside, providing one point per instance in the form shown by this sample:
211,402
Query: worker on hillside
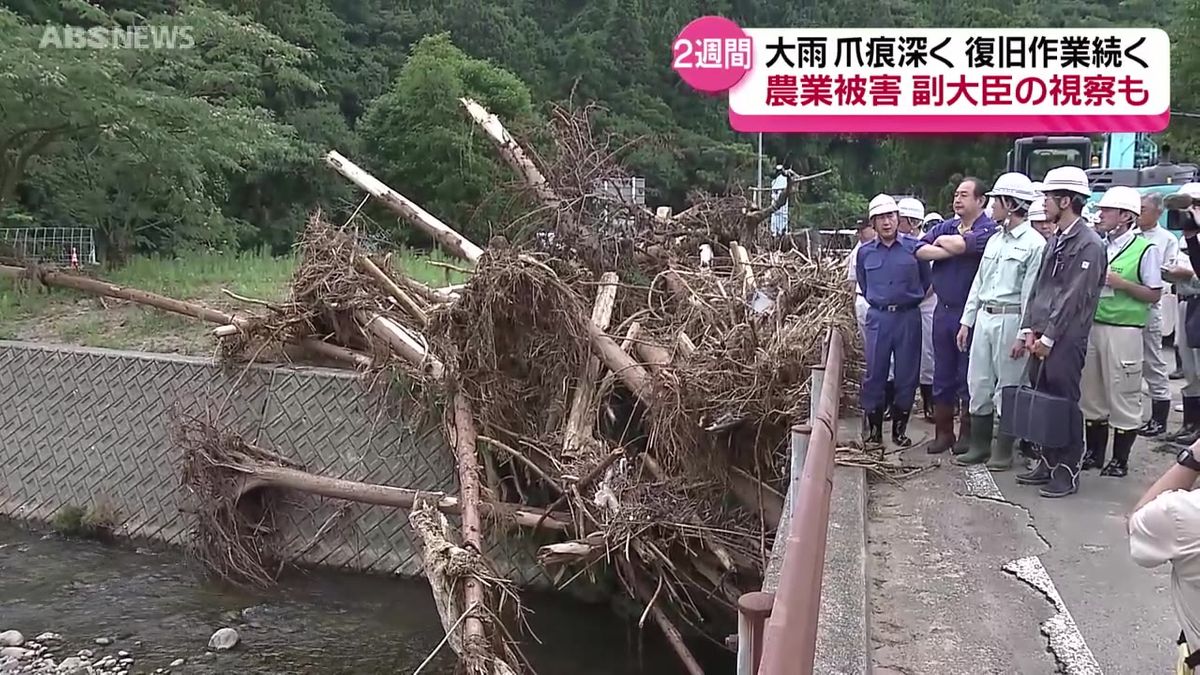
1058,318
997,300
1037,217
955,246
1187,290
894,283
1112,370
1154,368
912,221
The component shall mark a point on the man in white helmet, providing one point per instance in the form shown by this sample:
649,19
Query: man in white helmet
1112,371
995,303
1058,318
1037,216
894,282
1154,366
1187,288
912,220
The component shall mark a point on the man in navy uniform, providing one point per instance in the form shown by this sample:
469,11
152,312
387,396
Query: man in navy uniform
956,247
894,282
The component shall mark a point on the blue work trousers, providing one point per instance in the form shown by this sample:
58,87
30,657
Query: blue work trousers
949,364
892,335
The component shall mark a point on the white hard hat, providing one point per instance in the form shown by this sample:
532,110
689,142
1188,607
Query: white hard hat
932,217
1065,179
1122,197
1184,197
880,205
1037,209
1190,189
911,208
1015,185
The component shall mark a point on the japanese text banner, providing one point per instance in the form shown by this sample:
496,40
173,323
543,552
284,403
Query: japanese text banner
942,80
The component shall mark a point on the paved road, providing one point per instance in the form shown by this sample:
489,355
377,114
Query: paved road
981,575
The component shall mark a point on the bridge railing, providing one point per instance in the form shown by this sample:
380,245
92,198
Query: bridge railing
777,629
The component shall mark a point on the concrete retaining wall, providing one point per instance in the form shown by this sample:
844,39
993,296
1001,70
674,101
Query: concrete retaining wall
81,425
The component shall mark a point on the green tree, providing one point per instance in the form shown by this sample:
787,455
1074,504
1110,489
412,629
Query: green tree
421,142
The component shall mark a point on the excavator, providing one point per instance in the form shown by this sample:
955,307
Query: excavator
1126,159
1132,160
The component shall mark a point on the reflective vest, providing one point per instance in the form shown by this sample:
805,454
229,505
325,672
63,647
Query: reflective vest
1120,308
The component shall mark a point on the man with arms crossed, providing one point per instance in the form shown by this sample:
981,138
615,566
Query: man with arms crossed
955,246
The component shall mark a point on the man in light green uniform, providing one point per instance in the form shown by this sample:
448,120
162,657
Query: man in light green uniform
995,304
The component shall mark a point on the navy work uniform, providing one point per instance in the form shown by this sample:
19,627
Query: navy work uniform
952,279
894,283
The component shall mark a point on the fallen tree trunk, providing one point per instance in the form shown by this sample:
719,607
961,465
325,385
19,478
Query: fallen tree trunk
443,233
511,151
402,342
584,401
393,289
463,436
259,475
104,289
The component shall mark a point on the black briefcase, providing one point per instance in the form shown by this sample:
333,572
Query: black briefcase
1035,416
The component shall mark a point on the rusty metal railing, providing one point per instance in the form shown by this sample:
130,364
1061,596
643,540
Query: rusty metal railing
777,631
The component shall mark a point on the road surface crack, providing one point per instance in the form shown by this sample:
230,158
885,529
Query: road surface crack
999,499
1063,639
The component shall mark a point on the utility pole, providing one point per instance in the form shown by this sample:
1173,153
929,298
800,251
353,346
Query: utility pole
758,192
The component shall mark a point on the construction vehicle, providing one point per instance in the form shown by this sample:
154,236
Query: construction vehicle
1132,160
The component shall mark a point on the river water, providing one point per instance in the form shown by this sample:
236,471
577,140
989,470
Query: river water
155,605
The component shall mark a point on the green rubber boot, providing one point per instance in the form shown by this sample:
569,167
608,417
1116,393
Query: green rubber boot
980,448
1002,453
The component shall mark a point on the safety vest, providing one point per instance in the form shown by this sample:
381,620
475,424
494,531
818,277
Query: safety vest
1120,308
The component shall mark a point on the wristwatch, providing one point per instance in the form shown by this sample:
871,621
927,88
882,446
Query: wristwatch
1186,459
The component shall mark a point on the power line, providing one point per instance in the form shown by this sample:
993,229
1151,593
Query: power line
1179,113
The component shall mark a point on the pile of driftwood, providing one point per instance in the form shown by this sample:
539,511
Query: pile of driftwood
622,380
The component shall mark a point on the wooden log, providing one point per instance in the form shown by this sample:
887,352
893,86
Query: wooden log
511,151
260,475
742,271
656,358
229,323
368,267
674,637
463,434
445,235
631,373
402,342
99,287
583,403
685,346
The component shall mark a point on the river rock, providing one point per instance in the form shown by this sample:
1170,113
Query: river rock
176,663
86,653
103,641
224,639
11,638
49,637
15,653
72,665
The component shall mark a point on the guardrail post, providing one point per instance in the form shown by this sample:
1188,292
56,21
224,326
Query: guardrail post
754,609
799,446
816,383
